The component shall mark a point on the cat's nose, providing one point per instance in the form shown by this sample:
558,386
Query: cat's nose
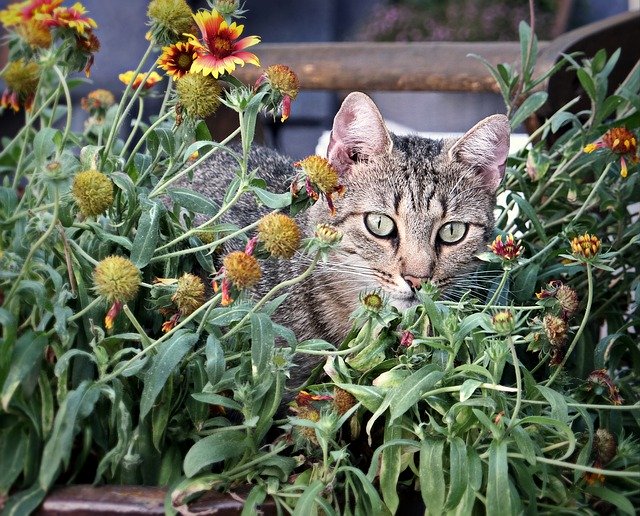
413,281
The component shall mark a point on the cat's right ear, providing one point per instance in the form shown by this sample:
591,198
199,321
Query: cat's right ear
358,133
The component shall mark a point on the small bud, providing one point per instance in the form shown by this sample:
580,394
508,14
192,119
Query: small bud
503,322
372,302
585,246
328,234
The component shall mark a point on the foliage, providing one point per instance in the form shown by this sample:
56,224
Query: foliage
499,401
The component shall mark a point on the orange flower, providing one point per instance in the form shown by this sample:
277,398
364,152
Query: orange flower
586,246
177,59
220,50
151,81
69,17
508,250
19,13
621,141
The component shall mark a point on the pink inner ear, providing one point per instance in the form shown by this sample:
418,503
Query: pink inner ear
358,129
485,147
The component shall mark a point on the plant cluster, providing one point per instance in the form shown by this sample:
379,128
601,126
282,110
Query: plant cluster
119,365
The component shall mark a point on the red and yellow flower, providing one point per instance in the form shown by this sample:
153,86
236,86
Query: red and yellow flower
177,59
220,50
73,17
621,141
19,13
137,81
585,246
319,178
508,250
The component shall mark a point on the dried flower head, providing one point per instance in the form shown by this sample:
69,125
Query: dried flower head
22,78
503,322
620,141
568,300
279,234
93,192
508,250
556,329
189,295
311,414
320,178
284,87
242,269
116,279
169,20
176,59
342,400
600,379
585,246
198,95
219,49
328,234
605,446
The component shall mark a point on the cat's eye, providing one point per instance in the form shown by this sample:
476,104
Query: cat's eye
452,232
379,224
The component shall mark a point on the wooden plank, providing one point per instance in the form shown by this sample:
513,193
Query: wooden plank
422,66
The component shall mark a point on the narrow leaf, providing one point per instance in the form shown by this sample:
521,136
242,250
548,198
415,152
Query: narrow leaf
432,485
212,449
144,243
498,496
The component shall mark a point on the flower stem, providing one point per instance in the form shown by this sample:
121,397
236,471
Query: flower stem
578,334
496,294
142,139
271,293
67,96
134,128
86,309
516,366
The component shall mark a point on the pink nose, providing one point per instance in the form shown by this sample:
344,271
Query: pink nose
413,281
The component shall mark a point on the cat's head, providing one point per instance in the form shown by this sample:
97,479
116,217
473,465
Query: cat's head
414,209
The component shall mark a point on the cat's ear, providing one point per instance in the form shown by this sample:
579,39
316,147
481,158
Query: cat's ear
358,133
485,147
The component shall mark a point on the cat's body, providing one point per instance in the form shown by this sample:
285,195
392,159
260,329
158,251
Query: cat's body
413,209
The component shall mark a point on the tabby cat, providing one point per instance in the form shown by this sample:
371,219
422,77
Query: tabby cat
414,209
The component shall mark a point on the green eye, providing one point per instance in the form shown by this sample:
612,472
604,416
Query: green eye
452,232
379,224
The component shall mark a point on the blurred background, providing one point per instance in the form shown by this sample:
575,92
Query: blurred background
121,30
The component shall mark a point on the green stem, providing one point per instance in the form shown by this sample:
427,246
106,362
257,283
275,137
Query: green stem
592,406
67,96
82,252
86,309
121,105
270,294
143,138
160,188
134,128
577,467
516,366
43,238
146,340
503,281
165,100
578,334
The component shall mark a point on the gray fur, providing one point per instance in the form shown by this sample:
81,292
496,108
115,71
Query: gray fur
420,183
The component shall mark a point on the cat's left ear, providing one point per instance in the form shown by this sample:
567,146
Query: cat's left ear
485,147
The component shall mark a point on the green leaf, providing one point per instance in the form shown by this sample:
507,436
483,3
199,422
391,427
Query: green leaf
528,108
559,407
170,353
24,502
524,443
193,201
412,389
524,284
256,496
468,388
390,467
306,504
13,444
370,397
432,485
167,140
458,472
214,448
587,83
531,214
202,132
217,399
613,497
63,362
124,182
498,495
144,243
44,143
262,344
25,359
57,451
215,363
272,200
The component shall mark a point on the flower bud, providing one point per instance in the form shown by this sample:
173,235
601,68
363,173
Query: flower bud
170,19
585,246
117,279
279,234
372,302
199,95
189,295
241,269
503,322
327,234
93,192
605,446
